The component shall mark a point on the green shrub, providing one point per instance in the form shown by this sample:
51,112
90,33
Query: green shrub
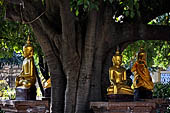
161,90
5,91
2,111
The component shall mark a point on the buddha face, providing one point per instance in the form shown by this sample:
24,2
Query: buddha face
142,57
27,52
117,60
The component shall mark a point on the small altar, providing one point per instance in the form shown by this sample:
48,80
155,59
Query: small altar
25,106
145,106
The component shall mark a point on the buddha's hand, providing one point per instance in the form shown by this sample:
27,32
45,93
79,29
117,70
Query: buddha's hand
112,83
25,82
20,82
144,62
20,75
135,72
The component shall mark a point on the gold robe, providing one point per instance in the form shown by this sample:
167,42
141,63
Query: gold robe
142,76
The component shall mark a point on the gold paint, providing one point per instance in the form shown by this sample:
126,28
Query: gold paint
117,75
27,77
47,83
141,73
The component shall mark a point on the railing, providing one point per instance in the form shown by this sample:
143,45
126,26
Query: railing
9,74
165,77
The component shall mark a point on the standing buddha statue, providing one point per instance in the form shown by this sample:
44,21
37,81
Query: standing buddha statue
142,83
27,77
117,76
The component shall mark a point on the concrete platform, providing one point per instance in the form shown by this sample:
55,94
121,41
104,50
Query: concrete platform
25,106
145,106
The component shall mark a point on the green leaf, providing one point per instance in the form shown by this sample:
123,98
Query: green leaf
138,13
1,3
126,13
120,3
132,14
168,54
80,2
77,12
85,6
130,4
71,9
111,1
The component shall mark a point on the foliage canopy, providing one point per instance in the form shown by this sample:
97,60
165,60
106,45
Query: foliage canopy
14,34
158,54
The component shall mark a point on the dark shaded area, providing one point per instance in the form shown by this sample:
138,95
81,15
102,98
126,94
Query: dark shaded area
43,68
39,81
26,94
142,93
129,80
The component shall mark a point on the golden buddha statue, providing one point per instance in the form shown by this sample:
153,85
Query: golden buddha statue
142,79
27,77
117,75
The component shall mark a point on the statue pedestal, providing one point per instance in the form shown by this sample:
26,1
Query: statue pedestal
25,106
120,98
26,94
145,106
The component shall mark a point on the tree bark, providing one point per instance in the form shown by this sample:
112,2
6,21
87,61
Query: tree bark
70,57
87,64
79,52
58,78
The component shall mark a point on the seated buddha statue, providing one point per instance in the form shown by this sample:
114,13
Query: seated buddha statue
117,76
27,77
142,82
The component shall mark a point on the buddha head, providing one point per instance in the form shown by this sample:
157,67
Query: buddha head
28,50
142,55
117,58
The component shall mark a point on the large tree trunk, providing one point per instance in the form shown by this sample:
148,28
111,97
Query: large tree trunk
79,52
58,78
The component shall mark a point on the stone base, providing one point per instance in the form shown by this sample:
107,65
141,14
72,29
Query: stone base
46,98
120,98
25,106
145,106
26,94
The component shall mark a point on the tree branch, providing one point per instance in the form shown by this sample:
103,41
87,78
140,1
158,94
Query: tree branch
133,32
129,33
87,61
25,10
68,34
53,15
68,23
